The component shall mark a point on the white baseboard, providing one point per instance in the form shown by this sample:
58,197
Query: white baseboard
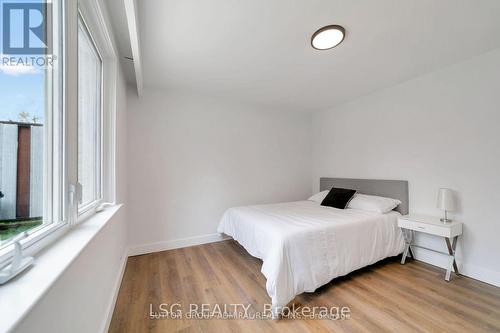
114,297
175,244
472,271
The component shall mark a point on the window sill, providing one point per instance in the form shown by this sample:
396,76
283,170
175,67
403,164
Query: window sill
18,296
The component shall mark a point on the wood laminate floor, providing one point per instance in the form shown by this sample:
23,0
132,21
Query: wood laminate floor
385,297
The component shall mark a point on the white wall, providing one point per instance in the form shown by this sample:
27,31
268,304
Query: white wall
8,171
79,300
191,157
438,130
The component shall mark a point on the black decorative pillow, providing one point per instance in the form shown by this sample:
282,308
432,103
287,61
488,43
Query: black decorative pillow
338,197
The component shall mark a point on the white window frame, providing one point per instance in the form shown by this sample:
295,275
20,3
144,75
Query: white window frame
46,234
85,207
58,102
91,15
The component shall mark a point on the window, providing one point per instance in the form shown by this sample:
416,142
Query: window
31,121
57,117
89,119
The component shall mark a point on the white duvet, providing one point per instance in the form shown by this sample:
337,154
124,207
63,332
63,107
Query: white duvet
304,245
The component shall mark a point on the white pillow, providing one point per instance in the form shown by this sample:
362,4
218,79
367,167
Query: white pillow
373,203
319,197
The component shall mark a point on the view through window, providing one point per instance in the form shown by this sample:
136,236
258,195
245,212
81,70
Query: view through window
29,122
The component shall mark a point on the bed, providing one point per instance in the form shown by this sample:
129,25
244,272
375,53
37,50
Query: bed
304,245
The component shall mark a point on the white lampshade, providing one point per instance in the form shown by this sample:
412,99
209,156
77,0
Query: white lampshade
446,199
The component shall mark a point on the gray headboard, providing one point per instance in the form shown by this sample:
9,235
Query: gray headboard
397,189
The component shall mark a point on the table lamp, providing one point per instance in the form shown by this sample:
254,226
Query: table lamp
446,202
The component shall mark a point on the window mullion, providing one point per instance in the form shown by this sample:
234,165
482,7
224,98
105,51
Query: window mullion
71,109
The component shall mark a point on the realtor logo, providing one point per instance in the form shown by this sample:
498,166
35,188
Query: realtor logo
27,28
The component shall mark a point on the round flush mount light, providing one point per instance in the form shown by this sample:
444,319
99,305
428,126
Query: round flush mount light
328,37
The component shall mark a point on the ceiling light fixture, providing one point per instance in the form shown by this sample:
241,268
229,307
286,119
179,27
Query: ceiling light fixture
328,37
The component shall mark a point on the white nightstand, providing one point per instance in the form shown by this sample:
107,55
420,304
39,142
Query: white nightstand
431,225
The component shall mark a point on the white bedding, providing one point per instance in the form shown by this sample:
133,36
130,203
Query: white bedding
304,245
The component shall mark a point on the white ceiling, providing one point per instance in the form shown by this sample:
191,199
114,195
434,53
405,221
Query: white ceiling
259,50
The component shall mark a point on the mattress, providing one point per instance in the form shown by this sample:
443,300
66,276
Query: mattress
304,245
